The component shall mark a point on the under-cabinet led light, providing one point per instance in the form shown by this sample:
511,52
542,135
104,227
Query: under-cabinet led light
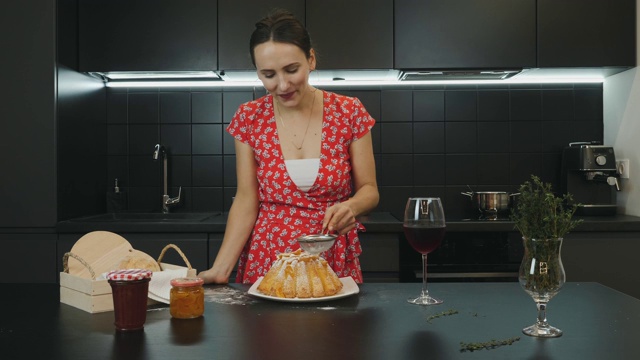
343,79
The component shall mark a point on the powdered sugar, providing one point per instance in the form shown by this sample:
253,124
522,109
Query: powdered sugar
227,295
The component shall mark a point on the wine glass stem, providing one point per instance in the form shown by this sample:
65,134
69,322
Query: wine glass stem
425,292
542,313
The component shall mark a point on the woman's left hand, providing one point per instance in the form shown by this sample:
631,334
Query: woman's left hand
338,218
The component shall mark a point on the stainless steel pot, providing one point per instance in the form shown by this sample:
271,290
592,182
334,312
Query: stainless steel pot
490,203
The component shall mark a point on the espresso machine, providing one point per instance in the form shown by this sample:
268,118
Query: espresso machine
590,175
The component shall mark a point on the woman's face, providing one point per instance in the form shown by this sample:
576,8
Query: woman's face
284,71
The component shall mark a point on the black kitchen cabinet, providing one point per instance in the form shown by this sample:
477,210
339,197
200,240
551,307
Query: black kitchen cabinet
345,34
237,19
28,258
586,33
380,257
147,35
355,34
28,178
607,258
462,34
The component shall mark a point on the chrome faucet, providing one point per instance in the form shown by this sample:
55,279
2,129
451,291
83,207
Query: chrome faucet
167,201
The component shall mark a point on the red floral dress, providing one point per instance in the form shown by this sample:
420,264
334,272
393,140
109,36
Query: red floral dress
286,212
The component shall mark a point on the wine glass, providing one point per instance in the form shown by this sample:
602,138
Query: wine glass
424,226
541,276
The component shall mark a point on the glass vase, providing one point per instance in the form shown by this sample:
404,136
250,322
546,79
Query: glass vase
541,276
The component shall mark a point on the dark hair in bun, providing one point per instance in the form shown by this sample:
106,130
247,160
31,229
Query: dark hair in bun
283,27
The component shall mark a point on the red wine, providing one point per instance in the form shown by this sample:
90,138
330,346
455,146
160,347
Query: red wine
424,239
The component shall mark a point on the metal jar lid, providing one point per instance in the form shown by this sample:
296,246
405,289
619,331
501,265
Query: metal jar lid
187,282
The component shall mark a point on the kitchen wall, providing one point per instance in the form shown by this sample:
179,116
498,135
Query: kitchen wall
622,126
429,140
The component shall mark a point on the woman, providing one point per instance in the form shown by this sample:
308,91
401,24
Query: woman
304,162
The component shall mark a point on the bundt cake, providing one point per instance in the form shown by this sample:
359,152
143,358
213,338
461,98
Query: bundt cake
300,274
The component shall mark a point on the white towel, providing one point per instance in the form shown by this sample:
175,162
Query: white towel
160,284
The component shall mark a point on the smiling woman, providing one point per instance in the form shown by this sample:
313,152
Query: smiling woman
325,133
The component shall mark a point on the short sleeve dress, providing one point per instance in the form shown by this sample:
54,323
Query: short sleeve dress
286,212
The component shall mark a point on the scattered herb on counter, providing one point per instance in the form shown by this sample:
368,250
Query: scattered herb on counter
444,313
492,344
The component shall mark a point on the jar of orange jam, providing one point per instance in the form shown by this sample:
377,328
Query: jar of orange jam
187,298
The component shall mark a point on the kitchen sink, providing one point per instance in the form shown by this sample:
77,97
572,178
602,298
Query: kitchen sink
148,217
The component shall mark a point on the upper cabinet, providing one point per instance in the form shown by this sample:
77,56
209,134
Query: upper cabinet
147,35
354,34
586,33
237,19
459,34
191,35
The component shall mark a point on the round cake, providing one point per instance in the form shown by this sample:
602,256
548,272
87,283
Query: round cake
300,275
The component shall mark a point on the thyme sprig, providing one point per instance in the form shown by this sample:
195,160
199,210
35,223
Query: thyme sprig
441,314
543,219
540,214
491,344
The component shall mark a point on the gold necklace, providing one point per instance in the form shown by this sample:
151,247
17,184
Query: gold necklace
306,130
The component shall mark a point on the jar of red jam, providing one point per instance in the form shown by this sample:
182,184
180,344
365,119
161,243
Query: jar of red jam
130,289
187,298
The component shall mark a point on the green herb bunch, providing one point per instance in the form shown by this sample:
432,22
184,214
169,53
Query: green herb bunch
540,214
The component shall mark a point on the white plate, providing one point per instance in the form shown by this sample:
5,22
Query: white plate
349,288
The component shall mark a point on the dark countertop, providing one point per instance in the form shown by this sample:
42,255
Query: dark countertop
208,223
375,223
377,323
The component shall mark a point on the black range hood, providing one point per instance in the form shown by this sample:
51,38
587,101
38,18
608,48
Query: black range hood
458,75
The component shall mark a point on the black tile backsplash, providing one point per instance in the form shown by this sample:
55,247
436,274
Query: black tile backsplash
396,138
180,171
526,105
117,139
176,138
461,169
175,107
206,107
117,108
461,137
143,139
588,104
428,105
461,105
208,171
493,170
395,170
207,139
428,138
526,136
493,105
557,105
396,106
143,108
429,169
493,137
428,141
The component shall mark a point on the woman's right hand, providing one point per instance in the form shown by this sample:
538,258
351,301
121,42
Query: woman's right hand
213,277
